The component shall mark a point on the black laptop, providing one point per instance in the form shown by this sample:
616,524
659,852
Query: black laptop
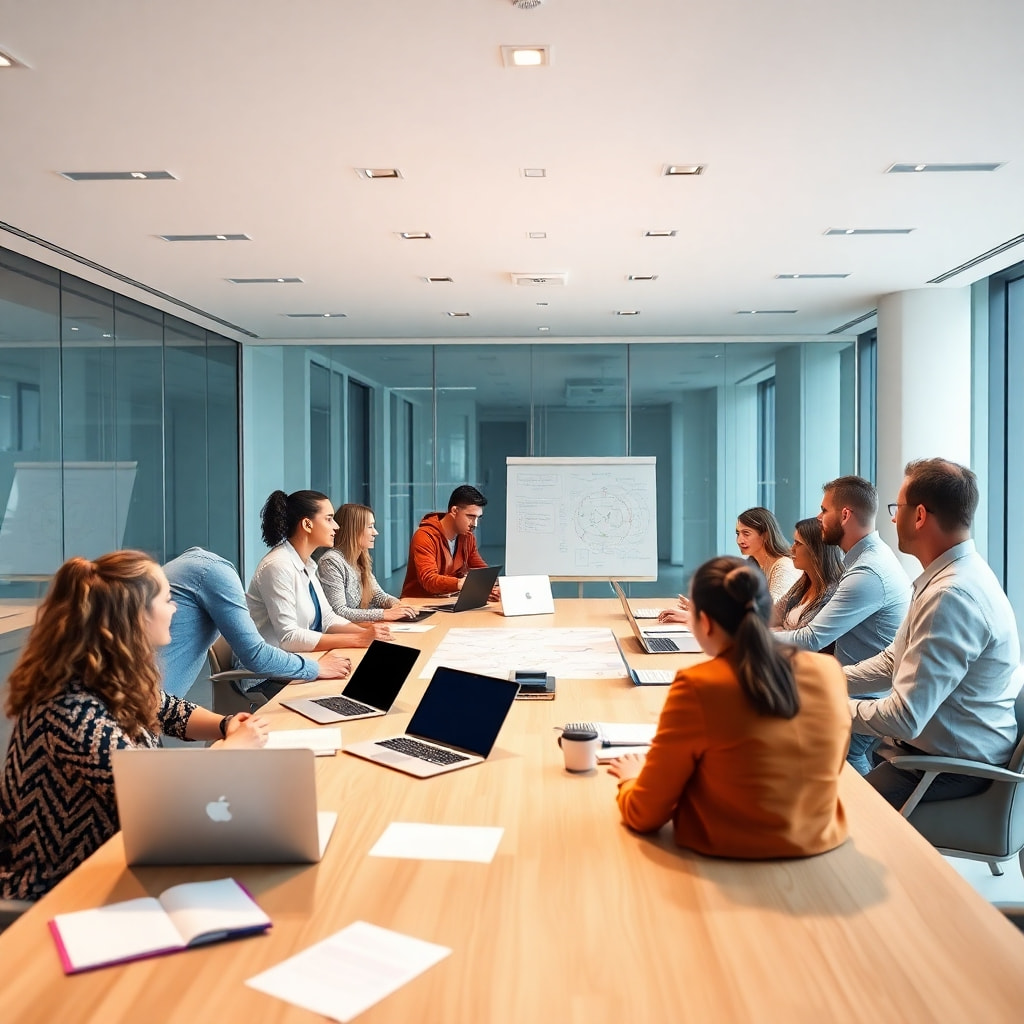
475,591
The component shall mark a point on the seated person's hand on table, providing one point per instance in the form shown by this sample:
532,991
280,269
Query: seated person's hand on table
376,631
680,614
245,730
626,767
399,613
334,665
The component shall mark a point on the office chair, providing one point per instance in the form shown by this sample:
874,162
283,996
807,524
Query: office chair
229,698
988,826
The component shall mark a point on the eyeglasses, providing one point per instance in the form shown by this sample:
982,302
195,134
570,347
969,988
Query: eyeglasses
892,508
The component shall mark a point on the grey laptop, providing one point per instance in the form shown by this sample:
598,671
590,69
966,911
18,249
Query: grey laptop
370,691
474,592
200,806
454,725
645,676
668,639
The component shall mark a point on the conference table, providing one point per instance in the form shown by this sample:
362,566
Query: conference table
577,920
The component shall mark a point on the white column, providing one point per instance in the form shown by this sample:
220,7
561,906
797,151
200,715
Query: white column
924,386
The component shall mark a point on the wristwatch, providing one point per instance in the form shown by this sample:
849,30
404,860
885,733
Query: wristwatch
224,726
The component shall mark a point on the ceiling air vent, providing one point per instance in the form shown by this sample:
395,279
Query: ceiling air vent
538,280
595,391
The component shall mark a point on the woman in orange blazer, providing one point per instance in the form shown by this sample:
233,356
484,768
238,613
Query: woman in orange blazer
750,744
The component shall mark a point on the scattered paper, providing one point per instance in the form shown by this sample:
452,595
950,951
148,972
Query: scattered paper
412,627
350,971
438,842
323,742
606,754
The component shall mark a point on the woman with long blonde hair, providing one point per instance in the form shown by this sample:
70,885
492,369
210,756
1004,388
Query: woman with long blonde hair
346,571
88,683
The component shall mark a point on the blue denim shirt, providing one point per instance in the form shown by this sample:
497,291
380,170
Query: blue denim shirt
950,667
210,600
865,612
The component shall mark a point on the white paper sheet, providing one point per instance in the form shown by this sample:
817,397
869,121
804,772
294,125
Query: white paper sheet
415,841
323,742
411,627
349,971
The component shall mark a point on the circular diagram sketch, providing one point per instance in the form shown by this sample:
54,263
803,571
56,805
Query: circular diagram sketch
609,518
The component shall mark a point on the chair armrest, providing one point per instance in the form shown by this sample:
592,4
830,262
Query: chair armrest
955,766
232,674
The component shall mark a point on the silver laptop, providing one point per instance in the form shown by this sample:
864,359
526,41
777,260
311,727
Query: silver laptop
645,676
200,806
454,725
371,689
667,639
474,592
526,595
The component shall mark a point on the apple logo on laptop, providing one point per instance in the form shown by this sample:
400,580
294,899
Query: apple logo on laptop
529,596
218,810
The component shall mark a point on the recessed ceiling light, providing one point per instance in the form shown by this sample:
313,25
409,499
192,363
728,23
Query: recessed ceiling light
642,277
457,314
265,280
869,231
117,175
543,303
660,234
816,277
9,61
940,168
378,172
414,234
627,312
533,56
537,234
314,316
543,328
682,170
206,238
747,312
535,172
439,280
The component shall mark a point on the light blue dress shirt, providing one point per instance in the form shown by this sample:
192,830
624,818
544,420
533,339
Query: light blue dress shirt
210,600
865,612
950,667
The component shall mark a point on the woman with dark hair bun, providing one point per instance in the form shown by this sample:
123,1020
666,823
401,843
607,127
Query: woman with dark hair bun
750,744
285,598
88,683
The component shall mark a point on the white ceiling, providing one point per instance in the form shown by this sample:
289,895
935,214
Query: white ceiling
262,110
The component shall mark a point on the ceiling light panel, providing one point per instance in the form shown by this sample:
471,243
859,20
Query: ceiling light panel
660,233
314,316
265,280
642,277
451,313
373,173
413,235
751,312
627,312
812,277
439,280
539,280
526,56
8,60
535,172
940,168
117,175
682,170
869,231
206,238
536,234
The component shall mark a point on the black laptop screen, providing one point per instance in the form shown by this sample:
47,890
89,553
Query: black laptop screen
464,710
380,675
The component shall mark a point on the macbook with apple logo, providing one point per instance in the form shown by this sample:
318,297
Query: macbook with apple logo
200,806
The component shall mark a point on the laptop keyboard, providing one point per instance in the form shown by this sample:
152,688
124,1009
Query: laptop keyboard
424,751
646,613
660,643
343,705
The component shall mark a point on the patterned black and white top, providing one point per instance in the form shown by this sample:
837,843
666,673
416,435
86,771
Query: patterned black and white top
57,803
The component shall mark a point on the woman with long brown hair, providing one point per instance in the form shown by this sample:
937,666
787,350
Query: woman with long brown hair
346,571
88,683
820,566
750,744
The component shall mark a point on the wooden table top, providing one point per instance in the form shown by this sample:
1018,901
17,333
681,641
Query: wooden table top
576,919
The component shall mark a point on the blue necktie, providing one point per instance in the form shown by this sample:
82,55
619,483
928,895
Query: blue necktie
318,619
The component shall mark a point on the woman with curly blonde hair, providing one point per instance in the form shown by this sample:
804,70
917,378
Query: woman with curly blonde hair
88,683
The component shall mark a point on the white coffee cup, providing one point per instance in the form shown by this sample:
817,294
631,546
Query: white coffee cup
579,748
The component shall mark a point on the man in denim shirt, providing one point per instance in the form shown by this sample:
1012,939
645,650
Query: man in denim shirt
862,616
210,600
951,665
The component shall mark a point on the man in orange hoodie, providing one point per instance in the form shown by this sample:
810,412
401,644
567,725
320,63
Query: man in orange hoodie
443,548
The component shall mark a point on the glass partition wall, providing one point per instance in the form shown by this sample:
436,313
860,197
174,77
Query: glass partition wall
718,417
118,428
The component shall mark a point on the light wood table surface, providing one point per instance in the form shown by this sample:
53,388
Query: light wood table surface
577,920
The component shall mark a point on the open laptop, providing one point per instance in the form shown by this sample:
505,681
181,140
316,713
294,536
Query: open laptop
474,592
668,639
454,726
526,595
370,691
645,676
199,806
